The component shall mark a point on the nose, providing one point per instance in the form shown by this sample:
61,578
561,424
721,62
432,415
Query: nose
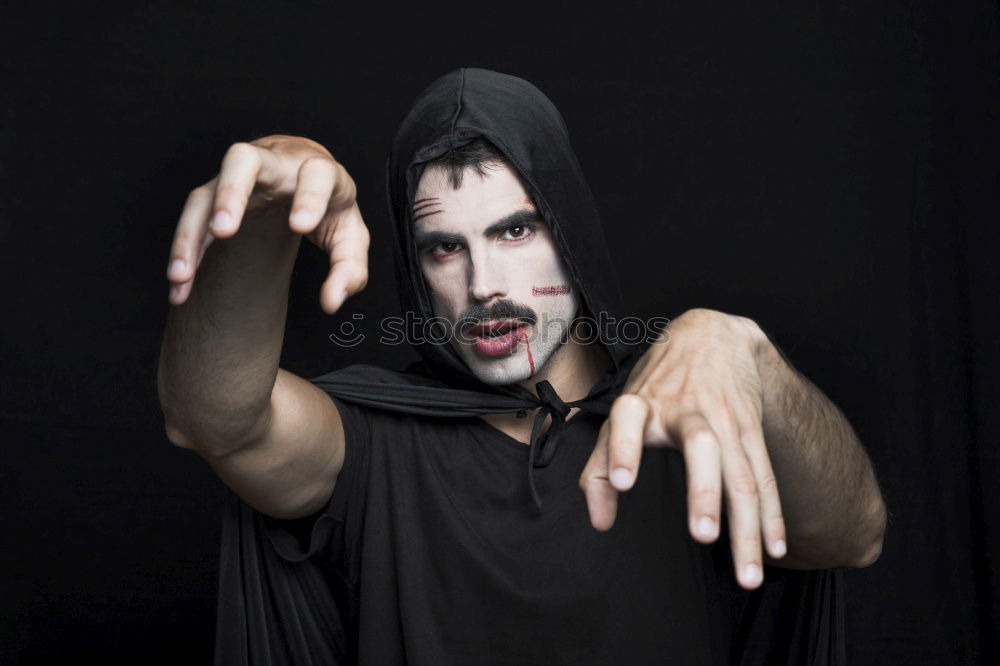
486,277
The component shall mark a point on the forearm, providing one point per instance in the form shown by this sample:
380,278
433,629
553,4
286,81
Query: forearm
833,508
221,348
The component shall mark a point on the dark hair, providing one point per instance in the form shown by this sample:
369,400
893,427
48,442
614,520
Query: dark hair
479,155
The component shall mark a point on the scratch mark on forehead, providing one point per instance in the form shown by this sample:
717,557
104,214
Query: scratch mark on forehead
420,216
426,207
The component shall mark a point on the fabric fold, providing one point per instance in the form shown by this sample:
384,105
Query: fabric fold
411,393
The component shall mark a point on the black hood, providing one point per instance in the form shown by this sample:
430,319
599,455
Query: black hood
526,127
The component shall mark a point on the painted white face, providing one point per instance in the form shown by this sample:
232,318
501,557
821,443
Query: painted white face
490,260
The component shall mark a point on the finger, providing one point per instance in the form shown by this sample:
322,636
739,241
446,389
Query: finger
772,520
601,496
627,422
179,293
187,246
348,248
317,179
243,168
743,506
702,460
345,193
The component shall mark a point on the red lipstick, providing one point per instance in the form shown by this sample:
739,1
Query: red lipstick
497,338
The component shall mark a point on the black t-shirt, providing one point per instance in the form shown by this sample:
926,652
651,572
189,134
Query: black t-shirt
431,550
445,559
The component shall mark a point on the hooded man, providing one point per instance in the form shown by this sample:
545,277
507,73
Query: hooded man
435,515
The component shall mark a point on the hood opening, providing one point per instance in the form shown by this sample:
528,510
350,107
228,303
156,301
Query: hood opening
525,127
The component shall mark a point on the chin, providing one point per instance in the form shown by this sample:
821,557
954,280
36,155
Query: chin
509,369
498,372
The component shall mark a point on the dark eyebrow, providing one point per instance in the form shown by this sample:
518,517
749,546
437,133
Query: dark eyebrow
426,239
513,220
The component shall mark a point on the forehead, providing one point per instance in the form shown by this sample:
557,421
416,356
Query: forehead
479,199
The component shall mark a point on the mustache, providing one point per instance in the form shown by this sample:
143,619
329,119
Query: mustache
478,313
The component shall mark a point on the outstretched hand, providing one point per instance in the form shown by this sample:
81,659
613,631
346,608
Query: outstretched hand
697,390
274,183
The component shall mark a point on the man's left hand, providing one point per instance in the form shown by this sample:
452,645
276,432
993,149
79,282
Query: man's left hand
699,390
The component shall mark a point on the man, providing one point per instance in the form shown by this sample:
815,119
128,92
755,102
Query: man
383,519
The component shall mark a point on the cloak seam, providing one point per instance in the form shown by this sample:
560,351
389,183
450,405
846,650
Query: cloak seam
458,110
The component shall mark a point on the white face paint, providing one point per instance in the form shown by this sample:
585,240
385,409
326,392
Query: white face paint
509,272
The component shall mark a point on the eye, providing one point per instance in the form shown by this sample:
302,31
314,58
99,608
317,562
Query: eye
445,248
519,232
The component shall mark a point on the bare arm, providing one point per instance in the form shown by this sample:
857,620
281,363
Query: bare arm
221,347
833,509
715,388
276,439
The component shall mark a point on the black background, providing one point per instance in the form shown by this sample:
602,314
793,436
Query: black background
830,171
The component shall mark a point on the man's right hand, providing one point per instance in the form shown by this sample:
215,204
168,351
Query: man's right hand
281,182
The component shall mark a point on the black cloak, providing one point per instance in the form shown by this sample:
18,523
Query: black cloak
280,601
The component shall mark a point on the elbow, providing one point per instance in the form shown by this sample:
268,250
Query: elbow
174,431
214,432
214,437
870,556
873,545
854,548
175,436
172,424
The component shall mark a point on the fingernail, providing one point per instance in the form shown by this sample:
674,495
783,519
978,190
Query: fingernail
339,299
706,527
221,221
779,548
176,268
752,575
302,218
621,478
173,292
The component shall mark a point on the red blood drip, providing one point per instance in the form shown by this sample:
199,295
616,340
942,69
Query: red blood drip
527,345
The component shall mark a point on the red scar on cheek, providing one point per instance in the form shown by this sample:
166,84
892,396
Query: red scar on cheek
550,291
